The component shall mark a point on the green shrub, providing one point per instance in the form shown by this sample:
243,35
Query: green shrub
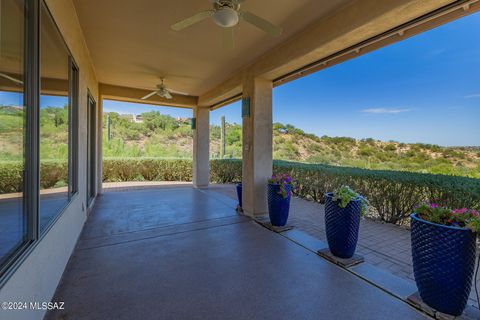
149,169
11,176
53,173
393,194
226,170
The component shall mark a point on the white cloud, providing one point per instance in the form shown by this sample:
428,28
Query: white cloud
437,52
471,96
386,110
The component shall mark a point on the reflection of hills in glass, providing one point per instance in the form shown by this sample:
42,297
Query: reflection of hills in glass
10,109
54,132
11,132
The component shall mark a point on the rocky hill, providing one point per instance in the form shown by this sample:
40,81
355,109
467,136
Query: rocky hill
152,134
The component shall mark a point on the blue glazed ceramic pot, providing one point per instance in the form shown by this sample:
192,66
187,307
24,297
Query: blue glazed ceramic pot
239,194
341,226
443,264
278,207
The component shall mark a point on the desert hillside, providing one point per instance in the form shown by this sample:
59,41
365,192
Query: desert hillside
152,134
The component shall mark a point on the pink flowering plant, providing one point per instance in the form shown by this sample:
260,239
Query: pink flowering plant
462,218
283,180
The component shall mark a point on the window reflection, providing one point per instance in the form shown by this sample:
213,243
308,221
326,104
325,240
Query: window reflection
12,133
54,121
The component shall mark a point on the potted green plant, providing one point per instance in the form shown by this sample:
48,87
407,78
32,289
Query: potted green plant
280,187
343,209
443,254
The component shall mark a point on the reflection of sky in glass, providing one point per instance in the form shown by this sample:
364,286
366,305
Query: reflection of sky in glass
11,99
53,101
16,99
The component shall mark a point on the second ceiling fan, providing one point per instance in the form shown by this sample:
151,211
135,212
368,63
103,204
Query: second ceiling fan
163,92
227,14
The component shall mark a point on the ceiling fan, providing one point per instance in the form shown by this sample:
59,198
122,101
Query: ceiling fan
227,14
163,92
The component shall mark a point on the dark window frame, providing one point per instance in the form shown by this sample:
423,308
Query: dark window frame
73,126
92,149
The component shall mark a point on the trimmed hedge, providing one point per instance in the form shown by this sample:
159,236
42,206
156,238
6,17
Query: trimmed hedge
11,176
52,173
225,170
392,194
146,169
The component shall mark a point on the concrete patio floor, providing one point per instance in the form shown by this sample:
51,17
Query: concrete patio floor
383,245
184,253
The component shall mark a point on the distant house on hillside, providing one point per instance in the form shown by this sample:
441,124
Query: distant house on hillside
137,118
132,118
183,120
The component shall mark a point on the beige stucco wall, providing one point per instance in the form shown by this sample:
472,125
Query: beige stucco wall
257,144
37,277
201,148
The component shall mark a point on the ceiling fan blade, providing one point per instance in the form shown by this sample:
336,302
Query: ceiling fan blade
192,20
165,95
177,92
6,76
228,39
149,95
261,23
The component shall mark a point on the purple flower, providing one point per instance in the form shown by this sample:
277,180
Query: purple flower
460,211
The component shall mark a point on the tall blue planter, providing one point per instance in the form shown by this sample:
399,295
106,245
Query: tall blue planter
239,194
341,225
278,207
443,264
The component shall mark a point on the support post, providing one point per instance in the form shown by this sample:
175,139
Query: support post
201,147
100,144
257,144
222,139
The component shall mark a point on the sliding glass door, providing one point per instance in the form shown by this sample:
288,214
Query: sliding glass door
38,126
13,227
54,120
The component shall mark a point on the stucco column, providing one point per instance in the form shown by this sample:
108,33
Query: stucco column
201,147
100,144
257,145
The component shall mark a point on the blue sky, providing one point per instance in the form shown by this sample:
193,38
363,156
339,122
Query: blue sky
424,89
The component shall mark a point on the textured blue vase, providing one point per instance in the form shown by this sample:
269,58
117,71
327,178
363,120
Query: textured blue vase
341,225
443,264
239,194
278,207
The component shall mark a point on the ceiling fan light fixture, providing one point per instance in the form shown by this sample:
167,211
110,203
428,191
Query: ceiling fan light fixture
226,17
